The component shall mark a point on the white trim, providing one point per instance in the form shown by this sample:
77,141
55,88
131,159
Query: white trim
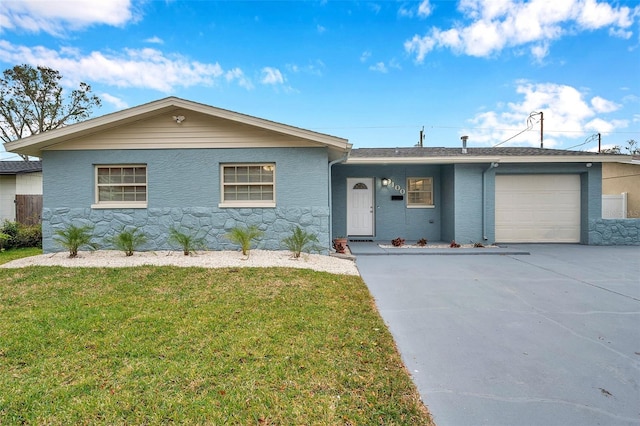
35,144
131,205
430,206
119,204
414,206
468,159
247,203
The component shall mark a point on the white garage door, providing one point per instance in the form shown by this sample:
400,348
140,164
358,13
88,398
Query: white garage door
538,208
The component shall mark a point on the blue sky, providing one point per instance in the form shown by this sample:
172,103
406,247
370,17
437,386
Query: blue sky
374,72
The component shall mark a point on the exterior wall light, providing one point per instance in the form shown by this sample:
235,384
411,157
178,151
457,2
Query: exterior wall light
589,164
385,182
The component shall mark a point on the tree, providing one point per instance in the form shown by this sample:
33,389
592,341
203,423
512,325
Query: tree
32,102
632,148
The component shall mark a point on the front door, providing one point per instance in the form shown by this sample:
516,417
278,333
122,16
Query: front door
360,206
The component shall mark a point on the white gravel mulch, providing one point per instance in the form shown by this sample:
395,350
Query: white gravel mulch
205,259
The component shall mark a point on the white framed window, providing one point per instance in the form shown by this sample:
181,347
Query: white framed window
248,185
120,186
419,192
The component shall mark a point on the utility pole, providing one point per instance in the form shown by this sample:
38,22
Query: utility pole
541,129
530,125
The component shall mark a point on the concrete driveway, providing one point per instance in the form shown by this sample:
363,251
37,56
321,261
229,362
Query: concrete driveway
549,338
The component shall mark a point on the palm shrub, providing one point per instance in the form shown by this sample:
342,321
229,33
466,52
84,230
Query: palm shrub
300,241
73,237
128,240
188,242
244,236
4,240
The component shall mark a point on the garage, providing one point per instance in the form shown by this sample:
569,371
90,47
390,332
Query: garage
537,208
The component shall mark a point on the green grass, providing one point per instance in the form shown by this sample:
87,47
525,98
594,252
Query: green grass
156,345
13,254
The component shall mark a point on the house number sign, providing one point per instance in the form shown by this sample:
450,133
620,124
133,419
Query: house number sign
397,187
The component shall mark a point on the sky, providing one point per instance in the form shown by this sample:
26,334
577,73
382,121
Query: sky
373,72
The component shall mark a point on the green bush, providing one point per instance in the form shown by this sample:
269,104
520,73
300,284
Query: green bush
300,241
128,240
5,239
189,243
244,236
18,235
73,237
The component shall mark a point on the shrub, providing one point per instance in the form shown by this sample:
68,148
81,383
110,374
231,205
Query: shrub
19,235
300,241
397,242
74,237
128,241
188,242
478,245
422,242
244,236
11,229
454,244
5,239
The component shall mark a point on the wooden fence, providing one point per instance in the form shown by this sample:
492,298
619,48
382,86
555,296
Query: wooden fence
29,209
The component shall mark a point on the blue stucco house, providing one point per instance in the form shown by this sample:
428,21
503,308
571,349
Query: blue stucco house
201,169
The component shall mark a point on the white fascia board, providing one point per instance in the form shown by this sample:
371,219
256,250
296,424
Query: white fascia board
33,145
471,160
420,160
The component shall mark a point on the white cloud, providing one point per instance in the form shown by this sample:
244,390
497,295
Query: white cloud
320,29
379,67
236,74
141,68
566,115
424,9
493,25
55,17
115,101
602,105
365,56
154,40
271,76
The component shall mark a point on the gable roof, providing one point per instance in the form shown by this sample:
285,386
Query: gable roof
18,167
441,155
34,145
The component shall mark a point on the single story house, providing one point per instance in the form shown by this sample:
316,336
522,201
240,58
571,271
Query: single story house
174,163
20,191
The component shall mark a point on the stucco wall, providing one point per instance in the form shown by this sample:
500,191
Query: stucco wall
618,178
392,217
618,232
468,203
448,202
184,191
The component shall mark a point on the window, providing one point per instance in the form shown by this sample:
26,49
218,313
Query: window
420,192
121,186
248,185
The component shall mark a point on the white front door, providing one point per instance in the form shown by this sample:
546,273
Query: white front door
360,206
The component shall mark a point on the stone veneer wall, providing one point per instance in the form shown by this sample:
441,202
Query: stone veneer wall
614,232
209,223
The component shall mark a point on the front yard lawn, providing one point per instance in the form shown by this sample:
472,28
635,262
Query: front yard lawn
13,254
151,345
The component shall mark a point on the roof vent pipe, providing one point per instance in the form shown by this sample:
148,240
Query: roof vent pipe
464,143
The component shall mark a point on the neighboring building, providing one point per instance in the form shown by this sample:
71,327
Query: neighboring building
618,178
176,163
20,191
